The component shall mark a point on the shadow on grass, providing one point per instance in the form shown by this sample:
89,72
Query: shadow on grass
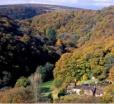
44,90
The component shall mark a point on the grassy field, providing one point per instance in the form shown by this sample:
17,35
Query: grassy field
46,88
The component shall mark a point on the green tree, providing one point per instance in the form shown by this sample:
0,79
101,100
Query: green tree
22,82
46,71
51,34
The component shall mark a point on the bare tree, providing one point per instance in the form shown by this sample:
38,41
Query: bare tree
35,83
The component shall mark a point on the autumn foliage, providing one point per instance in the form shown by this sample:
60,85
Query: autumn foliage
93,59
111,74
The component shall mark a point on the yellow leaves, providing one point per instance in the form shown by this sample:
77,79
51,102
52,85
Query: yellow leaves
85,77
110,44
91,59
59,42
108,94
111,74
61,64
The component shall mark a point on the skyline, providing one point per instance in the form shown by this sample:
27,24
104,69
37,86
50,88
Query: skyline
87,4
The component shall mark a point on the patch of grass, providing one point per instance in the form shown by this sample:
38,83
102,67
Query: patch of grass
46,88
46,84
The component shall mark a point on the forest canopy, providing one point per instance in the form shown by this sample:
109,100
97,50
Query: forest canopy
94,59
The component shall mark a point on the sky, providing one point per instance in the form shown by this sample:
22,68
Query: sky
89,4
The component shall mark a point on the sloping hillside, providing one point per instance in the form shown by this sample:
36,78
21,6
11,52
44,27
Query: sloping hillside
94,59
21,53
61,44
25,11
85,24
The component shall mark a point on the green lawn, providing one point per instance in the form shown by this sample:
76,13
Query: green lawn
46,84
46,88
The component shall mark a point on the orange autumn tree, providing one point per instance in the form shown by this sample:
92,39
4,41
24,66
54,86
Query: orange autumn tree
92,59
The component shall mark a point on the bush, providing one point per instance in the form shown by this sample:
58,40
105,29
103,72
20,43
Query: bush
107,98
16,95
78,99
22,82
108,94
